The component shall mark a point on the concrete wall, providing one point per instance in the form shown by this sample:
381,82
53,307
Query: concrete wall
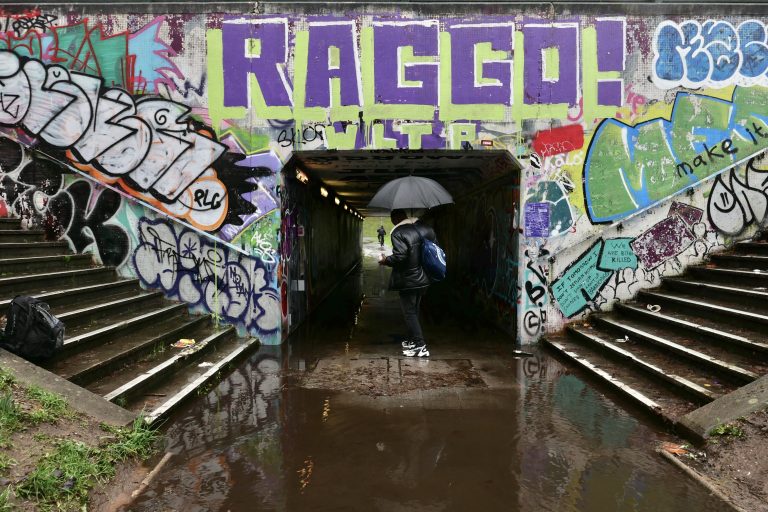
320,243
480,237
616,112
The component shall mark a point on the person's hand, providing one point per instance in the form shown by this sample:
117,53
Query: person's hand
382,260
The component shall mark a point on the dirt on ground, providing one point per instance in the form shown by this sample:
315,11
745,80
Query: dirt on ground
735,460
34,426
388,377
25,447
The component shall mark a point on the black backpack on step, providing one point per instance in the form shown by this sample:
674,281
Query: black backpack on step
32,331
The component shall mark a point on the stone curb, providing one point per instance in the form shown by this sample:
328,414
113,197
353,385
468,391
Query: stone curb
79,399
739,403
701,479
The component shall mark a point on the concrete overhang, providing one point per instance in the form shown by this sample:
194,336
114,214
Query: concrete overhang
356,175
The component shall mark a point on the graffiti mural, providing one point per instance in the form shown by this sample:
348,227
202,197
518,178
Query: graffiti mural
156,142
194,269
146,143
733,205
76,210
148,146
346,76
629,168
715,53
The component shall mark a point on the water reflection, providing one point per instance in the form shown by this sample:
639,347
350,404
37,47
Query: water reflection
555,445
538,438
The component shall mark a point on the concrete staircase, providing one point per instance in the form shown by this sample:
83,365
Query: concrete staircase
706,340
118,335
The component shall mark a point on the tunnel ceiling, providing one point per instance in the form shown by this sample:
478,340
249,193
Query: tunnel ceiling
356,175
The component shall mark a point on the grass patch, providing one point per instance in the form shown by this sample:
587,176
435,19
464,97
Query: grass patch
371,224
135,442
52,406
5,499
10,418
727,430
63,477
6,380
5,463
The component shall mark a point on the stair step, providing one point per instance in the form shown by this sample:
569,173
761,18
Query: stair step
644,391
702,326
111,327
724,310
7,223
74,318
85,367
673,343
18,249
740,261
129,391
659,365
740,296
751,247
21,235
58,299
196,378
37,264
25,285
729,275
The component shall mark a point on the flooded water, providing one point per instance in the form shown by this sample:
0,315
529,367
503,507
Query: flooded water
481,430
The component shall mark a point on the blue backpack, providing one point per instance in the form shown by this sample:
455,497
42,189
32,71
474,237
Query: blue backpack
433,260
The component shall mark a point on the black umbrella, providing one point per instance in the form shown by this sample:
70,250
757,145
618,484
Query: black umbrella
409,193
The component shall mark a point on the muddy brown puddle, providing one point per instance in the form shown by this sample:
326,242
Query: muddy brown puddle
333,422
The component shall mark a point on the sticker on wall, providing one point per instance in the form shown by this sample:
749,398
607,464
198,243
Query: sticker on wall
537,220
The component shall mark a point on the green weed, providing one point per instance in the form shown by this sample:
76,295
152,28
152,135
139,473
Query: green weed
10,418
5,499
63,477
6,462
158,350
137,441
727,430
6,380
52,406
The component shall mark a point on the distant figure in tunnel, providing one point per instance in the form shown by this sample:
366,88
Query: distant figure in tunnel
382,232
408,276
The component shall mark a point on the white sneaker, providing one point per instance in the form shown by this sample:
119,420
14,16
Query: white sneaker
420,351
408,344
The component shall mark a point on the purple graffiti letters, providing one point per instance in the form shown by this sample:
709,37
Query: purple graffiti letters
332,54
257,47
397,80
545,86
495,84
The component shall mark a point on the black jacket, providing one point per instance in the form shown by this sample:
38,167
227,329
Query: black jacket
407,273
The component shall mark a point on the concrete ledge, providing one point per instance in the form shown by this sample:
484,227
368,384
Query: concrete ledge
741,402
698,477
79,399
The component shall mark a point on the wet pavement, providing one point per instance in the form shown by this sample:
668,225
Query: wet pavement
338,420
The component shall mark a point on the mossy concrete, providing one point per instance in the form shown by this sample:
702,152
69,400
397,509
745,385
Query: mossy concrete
79,399
742,402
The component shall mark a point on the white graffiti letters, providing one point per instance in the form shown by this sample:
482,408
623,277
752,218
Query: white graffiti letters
734,205
148,141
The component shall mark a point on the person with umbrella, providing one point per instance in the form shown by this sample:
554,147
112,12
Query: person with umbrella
407,198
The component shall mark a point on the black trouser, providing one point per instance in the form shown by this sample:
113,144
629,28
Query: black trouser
381,239
410,301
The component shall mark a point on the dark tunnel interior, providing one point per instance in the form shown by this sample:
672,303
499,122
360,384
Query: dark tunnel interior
325,197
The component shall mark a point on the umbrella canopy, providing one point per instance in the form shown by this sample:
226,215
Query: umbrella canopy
410,192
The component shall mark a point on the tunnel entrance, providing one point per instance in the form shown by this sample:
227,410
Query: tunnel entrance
324,198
